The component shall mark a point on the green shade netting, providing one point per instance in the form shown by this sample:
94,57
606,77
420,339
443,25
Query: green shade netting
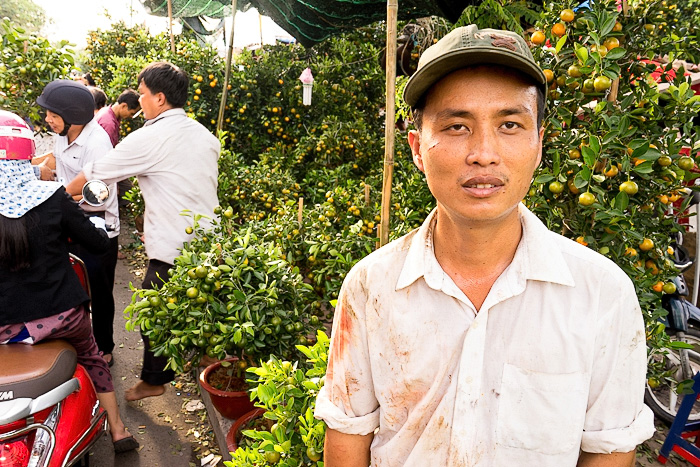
191,8
311,21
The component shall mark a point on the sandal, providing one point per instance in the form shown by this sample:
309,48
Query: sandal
125,445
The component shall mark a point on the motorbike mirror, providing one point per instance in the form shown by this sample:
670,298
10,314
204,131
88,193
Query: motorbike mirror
95,193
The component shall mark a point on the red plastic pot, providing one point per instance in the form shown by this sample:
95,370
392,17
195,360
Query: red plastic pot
230,404
234,433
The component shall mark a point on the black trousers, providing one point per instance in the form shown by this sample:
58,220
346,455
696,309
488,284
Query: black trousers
100,269
153,367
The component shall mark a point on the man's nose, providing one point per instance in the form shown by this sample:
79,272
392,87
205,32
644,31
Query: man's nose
482,148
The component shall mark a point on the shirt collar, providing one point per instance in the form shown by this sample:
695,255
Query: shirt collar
167,113
536,258
85,134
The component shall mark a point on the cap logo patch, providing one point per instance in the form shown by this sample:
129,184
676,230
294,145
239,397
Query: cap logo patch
504,41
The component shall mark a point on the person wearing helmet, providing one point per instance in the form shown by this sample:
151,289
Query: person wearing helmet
175,160
80,140
40,294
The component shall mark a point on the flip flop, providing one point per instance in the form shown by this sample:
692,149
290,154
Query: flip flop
125,445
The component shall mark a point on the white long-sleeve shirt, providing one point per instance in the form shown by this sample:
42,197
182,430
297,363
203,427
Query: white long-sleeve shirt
91,144
175,160
554,361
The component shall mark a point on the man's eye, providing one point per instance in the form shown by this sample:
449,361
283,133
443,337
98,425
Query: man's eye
457,127
511,125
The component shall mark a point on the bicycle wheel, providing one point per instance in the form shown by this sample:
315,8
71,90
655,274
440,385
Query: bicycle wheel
663,399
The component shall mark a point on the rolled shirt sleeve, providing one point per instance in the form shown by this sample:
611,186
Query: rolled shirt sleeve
617,419
347,402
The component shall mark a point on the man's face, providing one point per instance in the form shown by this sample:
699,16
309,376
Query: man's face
150,103
479,144
55,122
124,112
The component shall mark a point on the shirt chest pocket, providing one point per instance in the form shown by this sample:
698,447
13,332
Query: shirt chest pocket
72,165
541,412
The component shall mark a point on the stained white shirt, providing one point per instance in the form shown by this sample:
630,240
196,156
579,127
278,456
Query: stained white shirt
175,160
91,144
554,362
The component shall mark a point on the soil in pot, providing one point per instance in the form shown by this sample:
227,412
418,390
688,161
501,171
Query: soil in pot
224,379
227,391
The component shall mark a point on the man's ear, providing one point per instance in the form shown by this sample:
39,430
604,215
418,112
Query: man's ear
539,151
414,143
161,98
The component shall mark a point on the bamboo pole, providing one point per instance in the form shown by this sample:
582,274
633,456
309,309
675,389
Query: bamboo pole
300,213
260,26
615,88
170,25
392,8
367,190
227,74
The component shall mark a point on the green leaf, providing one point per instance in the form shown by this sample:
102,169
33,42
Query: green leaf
265,393
622,200
607,26
646,167
589,156
579,180
560,43
544,178
679,345
239,296
581,53
616,54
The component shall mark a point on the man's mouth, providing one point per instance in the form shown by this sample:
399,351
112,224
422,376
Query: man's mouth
483,186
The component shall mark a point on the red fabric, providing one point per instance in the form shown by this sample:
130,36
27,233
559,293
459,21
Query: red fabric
108,120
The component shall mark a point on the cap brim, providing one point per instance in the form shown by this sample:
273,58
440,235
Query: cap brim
431,73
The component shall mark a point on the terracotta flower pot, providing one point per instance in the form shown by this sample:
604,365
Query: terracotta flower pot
230,404
233,436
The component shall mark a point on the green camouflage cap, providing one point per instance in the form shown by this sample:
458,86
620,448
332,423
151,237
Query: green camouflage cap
470,46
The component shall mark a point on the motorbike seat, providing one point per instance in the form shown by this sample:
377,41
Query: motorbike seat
29,371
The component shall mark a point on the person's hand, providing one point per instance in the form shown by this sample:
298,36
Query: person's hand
46,173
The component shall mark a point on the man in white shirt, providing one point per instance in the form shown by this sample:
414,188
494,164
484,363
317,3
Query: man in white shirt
175,160
482,338
80,140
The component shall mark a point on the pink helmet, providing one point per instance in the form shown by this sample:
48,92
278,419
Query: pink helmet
16,137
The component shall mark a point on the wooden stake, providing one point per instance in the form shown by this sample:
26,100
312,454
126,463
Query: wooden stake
614,89
392,8
227,73
170,25
260,25
300,216
367,188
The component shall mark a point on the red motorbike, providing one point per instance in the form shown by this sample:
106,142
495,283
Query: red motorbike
49,412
